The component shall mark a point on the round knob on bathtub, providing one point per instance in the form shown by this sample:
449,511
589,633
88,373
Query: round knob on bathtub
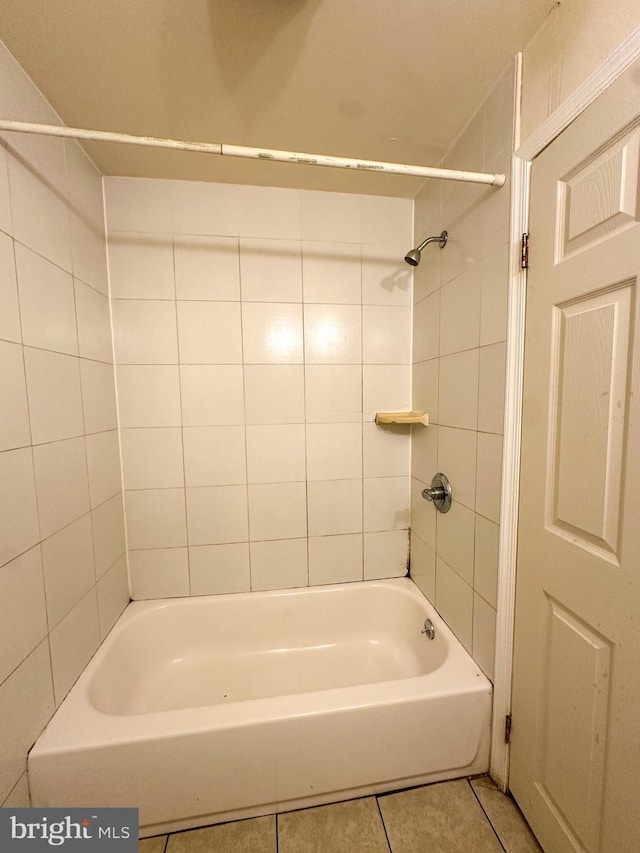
439,493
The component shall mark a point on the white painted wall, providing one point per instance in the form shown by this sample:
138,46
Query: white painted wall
577,37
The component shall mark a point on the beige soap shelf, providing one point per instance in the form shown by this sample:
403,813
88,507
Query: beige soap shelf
402,418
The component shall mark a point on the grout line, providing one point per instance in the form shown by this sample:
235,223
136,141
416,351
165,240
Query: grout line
277,833
114,370
486,815
386,834
362,429
244,407
34,479
179,365
304,409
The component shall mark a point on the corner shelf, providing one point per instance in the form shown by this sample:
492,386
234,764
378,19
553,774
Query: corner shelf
402,418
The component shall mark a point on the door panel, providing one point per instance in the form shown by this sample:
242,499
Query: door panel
575,759
590,347
573,708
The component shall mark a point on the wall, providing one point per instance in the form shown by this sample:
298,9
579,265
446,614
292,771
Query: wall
574,41
257,332
459,334
63,576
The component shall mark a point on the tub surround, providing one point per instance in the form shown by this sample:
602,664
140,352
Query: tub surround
459,350
243,705
63,575
257,333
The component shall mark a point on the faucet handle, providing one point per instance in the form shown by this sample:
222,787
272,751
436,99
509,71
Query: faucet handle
439,493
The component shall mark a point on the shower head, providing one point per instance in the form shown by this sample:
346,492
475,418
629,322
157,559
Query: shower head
413,257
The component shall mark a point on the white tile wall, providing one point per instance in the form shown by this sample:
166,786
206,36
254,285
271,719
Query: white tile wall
209,333
145,331
334,451
69,570
10,328
18,509
273,394
279,563
63,579
331,272
386,554
335,559
459,334
73,642
219,568
14,425
98,396
158,573
152,458
335,507
254,371
386,278
55,395
333,334
149,395
156,518
24,625
275,453
272,333
207,268
26,705
204,462
141,266
47,306
277,511
270,270
217,514
333,392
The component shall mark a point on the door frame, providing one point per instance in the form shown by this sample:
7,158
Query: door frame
524,154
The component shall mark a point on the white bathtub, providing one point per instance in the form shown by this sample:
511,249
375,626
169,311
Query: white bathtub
208,709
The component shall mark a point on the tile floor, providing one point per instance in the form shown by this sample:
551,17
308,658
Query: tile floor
461,816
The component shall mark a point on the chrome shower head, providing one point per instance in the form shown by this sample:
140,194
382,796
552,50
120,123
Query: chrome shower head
413,257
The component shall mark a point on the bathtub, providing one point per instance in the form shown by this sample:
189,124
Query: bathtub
215,708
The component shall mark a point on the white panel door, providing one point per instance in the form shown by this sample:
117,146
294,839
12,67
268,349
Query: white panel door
575,759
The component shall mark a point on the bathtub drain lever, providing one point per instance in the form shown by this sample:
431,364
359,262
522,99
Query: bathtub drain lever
428,629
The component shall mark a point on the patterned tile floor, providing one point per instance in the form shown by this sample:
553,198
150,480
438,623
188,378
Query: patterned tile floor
462,816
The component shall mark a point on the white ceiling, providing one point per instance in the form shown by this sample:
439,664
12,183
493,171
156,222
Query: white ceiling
376,79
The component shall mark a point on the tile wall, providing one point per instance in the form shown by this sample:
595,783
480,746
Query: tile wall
63,576
257,331
459,348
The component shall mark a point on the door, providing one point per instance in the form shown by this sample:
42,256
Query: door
575,757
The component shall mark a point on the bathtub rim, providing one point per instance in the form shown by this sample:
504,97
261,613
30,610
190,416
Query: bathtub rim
78,725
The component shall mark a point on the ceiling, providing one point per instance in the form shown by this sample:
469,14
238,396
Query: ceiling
375,79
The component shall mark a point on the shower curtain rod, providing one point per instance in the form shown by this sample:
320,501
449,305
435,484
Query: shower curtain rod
495,180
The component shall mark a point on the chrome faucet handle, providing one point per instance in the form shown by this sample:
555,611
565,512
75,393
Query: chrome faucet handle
439,493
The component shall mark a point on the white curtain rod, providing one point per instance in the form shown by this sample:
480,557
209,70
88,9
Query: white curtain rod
495,180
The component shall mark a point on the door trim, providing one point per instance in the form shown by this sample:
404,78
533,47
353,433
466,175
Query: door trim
624,56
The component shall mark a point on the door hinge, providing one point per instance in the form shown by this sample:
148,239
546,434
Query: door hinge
524,252
507,729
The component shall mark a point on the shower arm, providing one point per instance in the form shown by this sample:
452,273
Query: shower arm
440,238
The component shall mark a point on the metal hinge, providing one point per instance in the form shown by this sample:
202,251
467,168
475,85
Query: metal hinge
507,729
524,252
